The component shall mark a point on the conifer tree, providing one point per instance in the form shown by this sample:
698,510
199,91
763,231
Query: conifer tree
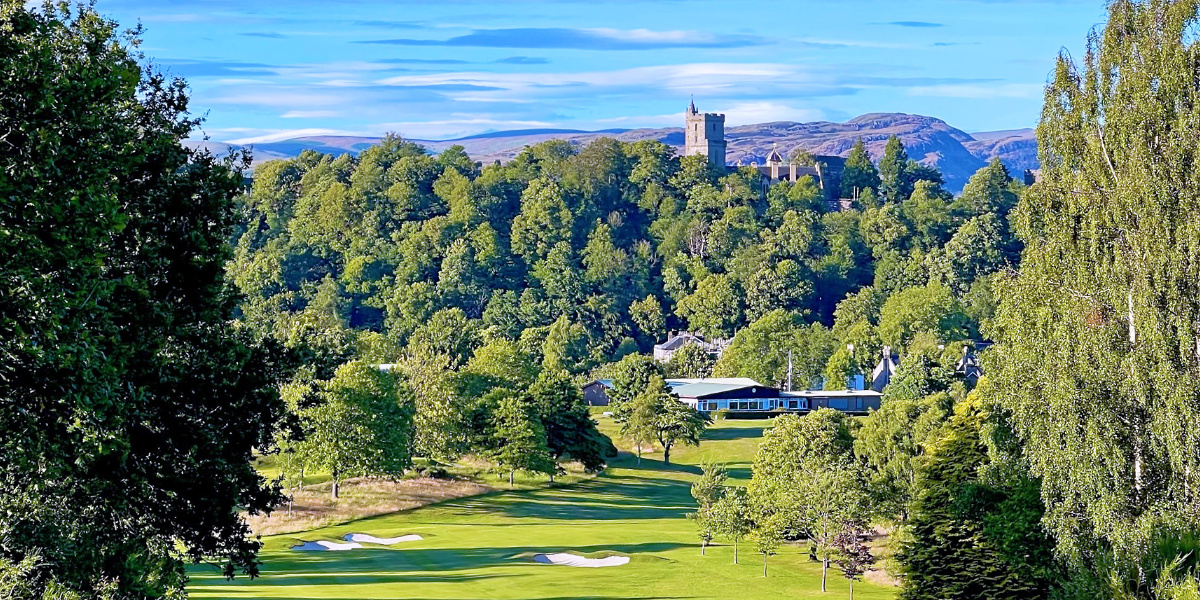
894,183
860,173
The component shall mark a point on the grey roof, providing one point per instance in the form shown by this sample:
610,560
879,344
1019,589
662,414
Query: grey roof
743,381
604,382
774,156
700,390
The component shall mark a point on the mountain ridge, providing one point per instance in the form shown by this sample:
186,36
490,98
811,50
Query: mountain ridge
928,140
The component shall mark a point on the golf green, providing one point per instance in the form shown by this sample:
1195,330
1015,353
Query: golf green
482,546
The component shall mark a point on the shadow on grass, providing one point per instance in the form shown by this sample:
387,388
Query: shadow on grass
430,565
534,598
732,433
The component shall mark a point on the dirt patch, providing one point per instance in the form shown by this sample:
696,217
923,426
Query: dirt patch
359,498
880,577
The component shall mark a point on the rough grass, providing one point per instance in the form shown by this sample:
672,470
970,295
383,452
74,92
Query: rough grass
476,547
313,507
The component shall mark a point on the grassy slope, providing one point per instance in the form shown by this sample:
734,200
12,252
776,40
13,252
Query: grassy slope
473,545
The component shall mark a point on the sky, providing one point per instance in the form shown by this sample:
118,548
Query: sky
266,70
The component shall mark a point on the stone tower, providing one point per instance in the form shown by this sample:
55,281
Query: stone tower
705,134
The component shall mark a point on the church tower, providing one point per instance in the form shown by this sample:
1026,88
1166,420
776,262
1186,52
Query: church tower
705,134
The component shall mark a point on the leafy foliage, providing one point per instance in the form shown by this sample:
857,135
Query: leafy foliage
125,389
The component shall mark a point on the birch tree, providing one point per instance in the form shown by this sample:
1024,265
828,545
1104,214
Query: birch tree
1099,334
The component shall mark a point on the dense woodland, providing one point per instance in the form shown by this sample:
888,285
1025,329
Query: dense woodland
581,256
162,324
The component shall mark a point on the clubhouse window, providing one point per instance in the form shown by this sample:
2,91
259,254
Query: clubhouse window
742,405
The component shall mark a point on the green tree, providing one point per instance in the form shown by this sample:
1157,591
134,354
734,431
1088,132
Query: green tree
988,192
860,174
707,490
677,423
806,478
518,438
1099,329
839,370
732,517
892,442
544,221
640,425
631,376
967,540
448,334
361,425
130,404
931,308
895,184
690,362
570,430
566,347
767,535
761,351
648,315
715,308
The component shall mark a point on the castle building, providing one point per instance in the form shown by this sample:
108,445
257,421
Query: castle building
705,135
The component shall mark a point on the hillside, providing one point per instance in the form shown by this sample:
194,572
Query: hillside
931,141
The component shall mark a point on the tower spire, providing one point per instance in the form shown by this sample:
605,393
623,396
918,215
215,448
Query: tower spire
692,106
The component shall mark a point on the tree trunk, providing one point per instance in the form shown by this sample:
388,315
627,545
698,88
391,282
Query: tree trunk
639,449
510,478
552,476
666,454
764,565
735,551
852,589
703,545
336,475
824,570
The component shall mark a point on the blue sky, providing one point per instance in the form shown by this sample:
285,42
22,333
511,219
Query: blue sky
265,69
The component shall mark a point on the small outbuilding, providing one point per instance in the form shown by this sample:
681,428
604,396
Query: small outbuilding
595,393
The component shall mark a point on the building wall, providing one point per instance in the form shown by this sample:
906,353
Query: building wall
705,135
596,394
746,404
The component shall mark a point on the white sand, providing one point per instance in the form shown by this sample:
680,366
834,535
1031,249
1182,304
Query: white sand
370,539
323,546
572,560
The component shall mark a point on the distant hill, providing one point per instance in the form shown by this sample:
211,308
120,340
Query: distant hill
931,141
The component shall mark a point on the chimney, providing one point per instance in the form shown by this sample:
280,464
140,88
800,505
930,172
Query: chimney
792,172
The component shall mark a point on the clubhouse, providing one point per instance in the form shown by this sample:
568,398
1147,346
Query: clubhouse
746,396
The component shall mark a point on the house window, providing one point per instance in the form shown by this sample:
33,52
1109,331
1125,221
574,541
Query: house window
793,404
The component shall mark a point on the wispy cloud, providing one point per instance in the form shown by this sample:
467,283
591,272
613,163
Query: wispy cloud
421,61
748,113
980,91
392,24
917,24
265,34
216,68
311,114
449,129
583,39
279,135
523,60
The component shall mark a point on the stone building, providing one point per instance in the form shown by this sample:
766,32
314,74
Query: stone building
705,135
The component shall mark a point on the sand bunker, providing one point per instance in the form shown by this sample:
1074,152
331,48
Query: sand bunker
323,546
370,539
572,560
